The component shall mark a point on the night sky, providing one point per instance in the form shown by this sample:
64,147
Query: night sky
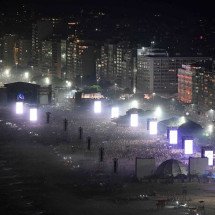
65,7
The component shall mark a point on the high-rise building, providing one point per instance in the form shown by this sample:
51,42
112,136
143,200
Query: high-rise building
124,66
9,50
43,30
115,64
24,53
63,59
196,84
81,61
157,71
51,57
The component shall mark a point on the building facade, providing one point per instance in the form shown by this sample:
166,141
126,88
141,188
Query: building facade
9,57
196,84
80,61
157,71
42,31
115,64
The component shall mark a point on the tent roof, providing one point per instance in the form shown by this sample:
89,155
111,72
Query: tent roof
171,167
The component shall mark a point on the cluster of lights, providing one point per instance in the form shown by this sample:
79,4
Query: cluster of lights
68,83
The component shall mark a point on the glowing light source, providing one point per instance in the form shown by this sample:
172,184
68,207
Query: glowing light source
210,128
33,114
158,112
26,75
7,72
47,80
68,83
19,107
134,104
153,127
97,107
182,120
173,136
134,120
114,112
188,147
210,155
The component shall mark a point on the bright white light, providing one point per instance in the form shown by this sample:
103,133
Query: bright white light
210,155
153,127
158,112
188,147
173,136
19,107
47,80
182,120
97,107
26,75
134,104
134,120
210,128
114,112
33,114
68,83
7,72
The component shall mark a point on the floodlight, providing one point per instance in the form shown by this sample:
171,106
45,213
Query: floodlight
47,80
188,147
134,120
153,127
19,107
134,104
26,75
114,112
97,107
7,72
33,114
210,155
158,112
